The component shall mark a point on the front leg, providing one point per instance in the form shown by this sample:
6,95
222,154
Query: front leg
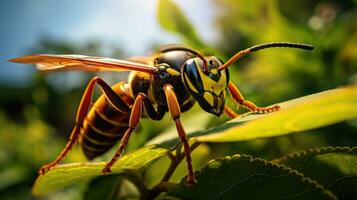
238,97
230,113
175,111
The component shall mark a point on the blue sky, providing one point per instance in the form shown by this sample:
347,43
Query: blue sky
130,23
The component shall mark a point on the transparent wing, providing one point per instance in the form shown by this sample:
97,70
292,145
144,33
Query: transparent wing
147,60
52,62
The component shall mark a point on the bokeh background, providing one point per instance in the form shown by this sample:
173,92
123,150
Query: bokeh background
37,111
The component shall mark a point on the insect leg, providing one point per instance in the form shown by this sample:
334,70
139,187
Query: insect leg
174,109
81,115
133,122
238,97
72,140
230,113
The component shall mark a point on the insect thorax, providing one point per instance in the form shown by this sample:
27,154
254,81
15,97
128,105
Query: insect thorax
152,85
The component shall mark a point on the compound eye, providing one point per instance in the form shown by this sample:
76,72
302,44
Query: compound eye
192,77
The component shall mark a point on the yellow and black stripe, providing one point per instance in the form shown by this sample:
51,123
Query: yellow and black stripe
103,128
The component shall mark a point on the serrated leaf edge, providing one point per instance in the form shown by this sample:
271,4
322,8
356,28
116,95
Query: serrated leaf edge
289,170
317,151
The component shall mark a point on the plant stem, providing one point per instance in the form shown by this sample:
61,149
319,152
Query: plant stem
138,182
175,160
164,185
173,164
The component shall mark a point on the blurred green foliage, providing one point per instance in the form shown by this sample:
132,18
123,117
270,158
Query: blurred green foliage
35,121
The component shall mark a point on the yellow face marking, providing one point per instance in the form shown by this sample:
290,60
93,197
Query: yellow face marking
209,98
211,85
190,85
217,89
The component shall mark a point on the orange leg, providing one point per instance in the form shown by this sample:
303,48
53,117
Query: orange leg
238,97
82,113
174,109
133,122
230,113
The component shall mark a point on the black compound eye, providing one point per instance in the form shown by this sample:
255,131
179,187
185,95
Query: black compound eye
192,77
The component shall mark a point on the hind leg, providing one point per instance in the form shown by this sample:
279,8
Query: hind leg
133,122
82,113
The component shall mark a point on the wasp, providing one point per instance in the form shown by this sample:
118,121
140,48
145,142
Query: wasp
171,81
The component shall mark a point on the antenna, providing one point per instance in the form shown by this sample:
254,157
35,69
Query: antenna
263,46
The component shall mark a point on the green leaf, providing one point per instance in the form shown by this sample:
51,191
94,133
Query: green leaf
104,187
297,115
66,174
172,19
333,167
191,125
246,178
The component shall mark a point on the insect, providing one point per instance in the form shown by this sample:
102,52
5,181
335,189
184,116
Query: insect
172,81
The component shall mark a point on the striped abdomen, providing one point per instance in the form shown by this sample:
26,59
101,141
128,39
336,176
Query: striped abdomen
104,125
